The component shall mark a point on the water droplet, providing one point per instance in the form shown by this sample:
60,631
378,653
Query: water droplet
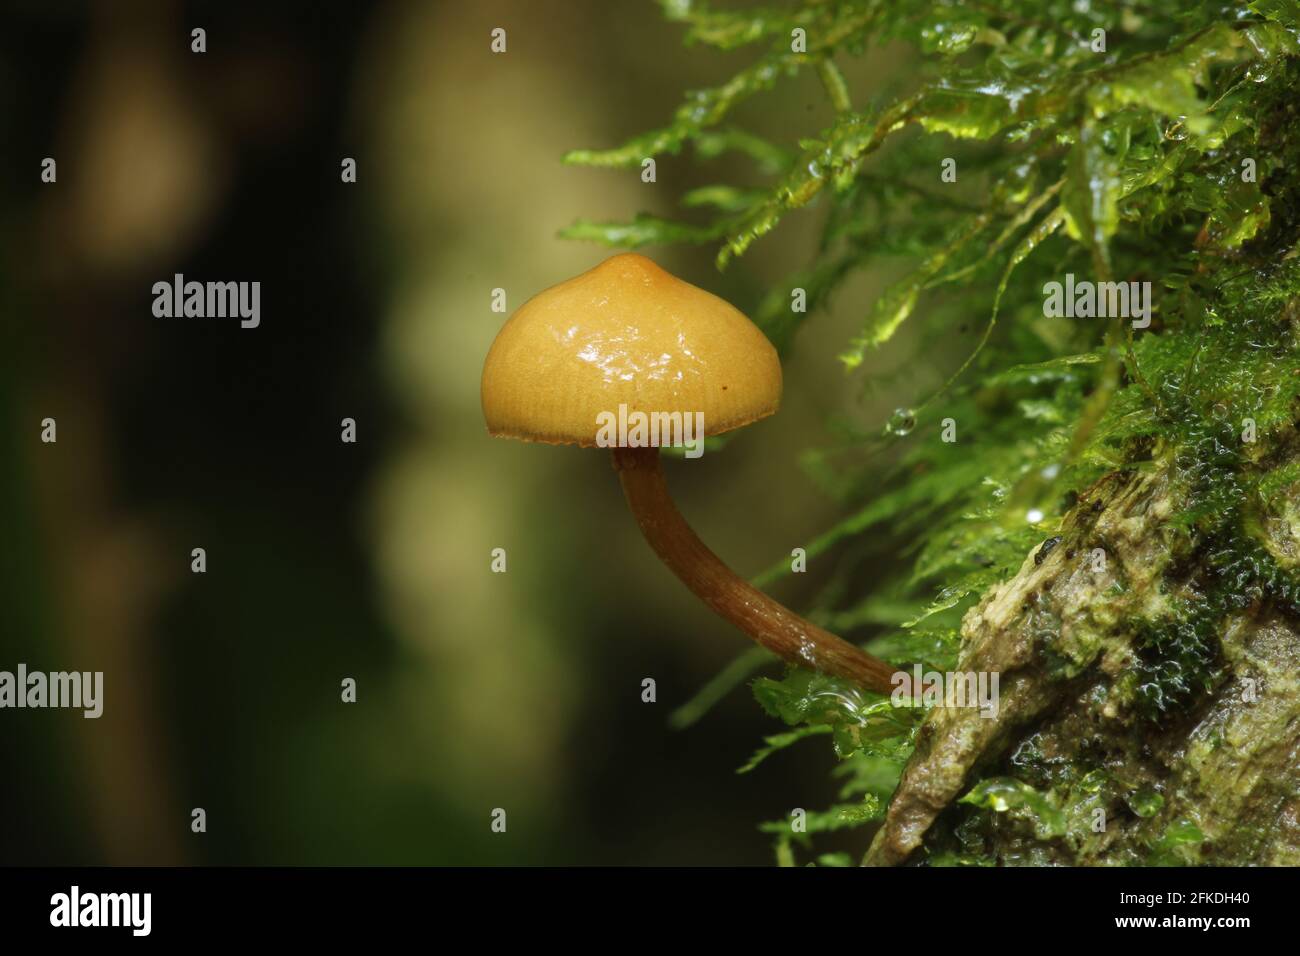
1051,471
901,422
808,651
1034,516
1146,802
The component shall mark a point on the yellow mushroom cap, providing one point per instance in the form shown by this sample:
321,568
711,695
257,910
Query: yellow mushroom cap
625,333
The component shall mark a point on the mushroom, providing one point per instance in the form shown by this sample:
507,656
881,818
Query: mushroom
628,335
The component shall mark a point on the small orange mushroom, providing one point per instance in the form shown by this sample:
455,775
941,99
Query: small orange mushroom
627,333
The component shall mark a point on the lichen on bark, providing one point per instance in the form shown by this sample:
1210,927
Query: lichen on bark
1217,780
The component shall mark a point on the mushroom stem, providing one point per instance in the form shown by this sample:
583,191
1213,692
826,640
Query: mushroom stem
768,622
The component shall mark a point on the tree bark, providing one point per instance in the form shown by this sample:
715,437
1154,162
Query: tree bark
1225,764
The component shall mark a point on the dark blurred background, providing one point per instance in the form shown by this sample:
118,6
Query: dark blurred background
327,560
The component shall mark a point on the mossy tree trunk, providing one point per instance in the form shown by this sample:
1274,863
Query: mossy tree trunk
1213,777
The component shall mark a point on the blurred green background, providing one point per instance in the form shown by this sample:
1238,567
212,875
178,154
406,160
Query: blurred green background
328,560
